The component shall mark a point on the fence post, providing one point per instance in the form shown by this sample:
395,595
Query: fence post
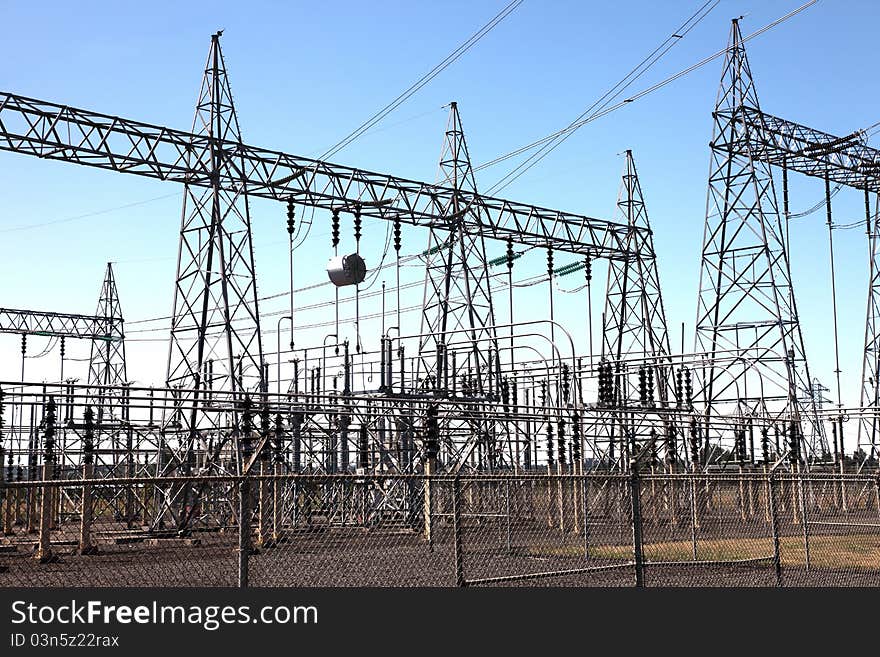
86,511
263,518
277,520
44,545
20,496
88,470
693,490
635,498
585,491
774,524
428,504
21,499
6,496
805,523
456,531
507,515
877,491
244,531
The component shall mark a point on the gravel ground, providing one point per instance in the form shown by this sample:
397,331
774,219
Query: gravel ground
390,556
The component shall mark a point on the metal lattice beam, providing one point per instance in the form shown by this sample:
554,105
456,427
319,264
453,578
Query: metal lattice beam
843,160
63,325
48,130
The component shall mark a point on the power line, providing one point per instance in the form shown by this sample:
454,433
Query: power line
358,132
572,126
421,82
525,282
279,295
640,69
86,215
558,137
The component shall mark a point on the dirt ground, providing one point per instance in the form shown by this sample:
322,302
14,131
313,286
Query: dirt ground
399,556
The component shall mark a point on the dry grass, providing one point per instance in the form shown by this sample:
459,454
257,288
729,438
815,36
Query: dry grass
855,551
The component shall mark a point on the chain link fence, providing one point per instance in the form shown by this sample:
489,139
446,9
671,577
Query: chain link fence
269,529
104,533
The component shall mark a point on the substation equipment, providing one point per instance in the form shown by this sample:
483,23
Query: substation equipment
462,390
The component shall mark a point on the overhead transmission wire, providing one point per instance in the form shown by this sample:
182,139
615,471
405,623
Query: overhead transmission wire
549,143
560,135
421,82
279,295
303,233
348,139
365,127
49,347
87,215
816,207
381,114
268,297
275,313
540,278
526,282
575,125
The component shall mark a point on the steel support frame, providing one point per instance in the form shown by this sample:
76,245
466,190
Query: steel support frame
746,301
52,131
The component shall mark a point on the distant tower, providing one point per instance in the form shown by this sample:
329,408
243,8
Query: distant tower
215,331
814,397
747,321
107,359
107,368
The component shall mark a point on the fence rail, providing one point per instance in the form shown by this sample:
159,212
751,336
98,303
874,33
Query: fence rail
273,529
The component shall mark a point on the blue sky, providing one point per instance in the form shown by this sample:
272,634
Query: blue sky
305,74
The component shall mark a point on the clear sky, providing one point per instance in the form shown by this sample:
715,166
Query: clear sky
305,74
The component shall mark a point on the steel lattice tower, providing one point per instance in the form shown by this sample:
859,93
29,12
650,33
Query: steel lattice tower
634,321
215,333
747,321
107,368
107,362
457,300
107,359
869,425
